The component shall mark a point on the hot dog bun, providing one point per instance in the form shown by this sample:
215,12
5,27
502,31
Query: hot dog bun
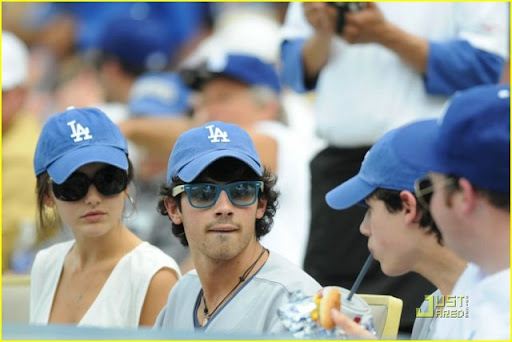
326,300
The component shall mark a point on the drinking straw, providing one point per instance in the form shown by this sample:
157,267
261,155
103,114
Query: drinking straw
360,276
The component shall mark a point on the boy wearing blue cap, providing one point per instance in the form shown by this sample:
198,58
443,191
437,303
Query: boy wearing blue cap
401,234
468,193
106,276
221,201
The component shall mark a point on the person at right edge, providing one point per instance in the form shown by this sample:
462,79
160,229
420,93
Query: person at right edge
390,64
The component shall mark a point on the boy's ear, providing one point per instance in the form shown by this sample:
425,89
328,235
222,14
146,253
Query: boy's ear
409,207
173,209
467,197
260,210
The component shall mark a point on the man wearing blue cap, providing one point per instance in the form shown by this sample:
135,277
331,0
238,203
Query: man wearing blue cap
221,201
468,193
244,90
401,233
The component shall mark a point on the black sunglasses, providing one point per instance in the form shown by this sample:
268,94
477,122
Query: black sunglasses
108,181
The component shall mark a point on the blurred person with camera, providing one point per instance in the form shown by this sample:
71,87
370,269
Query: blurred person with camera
385,65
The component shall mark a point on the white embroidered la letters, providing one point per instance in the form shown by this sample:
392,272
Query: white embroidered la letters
79,132
214,136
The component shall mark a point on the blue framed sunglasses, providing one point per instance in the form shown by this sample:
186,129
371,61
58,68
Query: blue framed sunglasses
205,195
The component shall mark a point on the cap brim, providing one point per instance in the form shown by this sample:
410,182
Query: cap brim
63,167
195,79
416,143
190,171
349,193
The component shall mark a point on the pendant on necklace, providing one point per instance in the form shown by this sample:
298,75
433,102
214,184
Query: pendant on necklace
205,320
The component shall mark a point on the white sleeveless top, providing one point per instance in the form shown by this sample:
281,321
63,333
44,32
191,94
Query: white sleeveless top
119,303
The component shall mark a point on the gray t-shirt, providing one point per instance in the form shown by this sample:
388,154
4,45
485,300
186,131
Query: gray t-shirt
253,307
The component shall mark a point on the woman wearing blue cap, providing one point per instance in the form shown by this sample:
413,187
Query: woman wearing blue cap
106,276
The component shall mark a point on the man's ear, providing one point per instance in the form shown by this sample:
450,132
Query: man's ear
467,197
262,207
173,210
409,207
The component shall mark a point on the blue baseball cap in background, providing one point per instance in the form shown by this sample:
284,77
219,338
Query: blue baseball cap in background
159,94
76,137
140,42
381,168
471,140
245,68
199,147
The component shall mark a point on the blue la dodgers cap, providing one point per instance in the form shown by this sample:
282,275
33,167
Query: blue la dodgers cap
381,168
76,137
159,94
199,147
471,140
244,68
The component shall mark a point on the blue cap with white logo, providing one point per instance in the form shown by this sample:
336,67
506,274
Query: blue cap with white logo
159,94
471,140
381,169
244,68
76,137
199,147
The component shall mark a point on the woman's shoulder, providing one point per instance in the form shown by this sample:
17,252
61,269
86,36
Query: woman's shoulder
51,257
149,257
55,251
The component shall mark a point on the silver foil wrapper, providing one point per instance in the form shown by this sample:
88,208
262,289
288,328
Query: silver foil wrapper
296,317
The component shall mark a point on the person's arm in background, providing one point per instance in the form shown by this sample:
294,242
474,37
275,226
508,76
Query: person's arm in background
160,134
155,134
473,59
477,56
299,70
447,66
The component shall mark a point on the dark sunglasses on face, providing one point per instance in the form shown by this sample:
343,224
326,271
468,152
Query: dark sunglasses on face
205,195
424,189
108,181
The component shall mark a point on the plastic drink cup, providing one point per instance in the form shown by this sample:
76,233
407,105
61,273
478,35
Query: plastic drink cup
355,308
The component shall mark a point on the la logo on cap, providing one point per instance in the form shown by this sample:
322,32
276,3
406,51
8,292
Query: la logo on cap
79,133
217,135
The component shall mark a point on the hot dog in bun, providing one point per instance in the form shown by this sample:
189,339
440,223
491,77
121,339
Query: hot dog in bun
325,300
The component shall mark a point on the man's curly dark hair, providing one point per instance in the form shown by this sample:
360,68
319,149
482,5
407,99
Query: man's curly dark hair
227,170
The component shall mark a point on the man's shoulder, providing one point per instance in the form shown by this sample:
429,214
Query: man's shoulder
280,272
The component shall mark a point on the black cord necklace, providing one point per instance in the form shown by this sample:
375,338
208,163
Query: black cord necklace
241,279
